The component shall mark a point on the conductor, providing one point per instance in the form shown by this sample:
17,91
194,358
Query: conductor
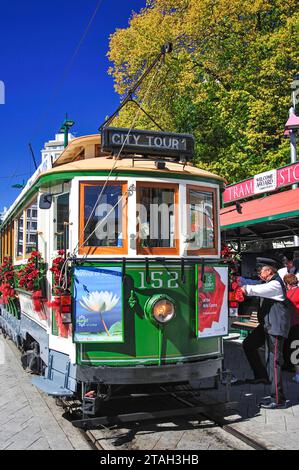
273,328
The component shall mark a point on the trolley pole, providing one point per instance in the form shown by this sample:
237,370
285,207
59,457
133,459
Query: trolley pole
291,129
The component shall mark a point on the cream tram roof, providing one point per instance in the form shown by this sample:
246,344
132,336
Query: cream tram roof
68,162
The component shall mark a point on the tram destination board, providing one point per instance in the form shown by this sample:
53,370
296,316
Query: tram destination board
162,144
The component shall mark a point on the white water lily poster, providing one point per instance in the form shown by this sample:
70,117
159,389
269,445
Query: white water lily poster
98,304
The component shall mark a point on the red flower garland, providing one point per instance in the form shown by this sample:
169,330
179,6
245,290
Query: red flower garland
232,259
30,277
7,280
57,265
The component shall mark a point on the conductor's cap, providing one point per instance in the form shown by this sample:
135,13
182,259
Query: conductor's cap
261,262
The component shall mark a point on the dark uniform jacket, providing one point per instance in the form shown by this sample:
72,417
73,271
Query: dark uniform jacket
274,314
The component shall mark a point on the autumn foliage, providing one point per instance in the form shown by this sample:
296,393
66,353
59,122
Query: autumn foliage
227,80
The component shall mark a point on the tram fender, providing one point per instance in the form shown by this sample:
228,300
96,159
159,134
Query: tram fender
181,372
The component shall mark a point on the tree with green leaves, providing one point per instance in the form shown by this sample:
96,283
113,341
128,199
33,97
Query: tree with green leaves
227,80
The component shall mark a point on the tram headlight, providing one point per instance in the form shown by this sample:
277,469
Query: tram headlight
160,308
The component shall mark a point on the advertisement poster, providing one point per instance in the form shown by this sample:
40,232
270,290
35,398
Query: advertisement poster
98,305
212,302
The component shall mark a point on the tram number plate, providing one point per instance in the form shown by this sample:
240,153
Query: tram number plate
159,279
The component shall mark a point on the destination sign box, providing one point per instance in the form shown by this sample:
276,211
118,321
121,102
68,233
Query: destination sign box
177,146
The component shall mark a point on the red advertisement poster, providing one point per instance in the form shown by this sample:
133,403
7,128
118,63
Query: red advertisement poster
212,301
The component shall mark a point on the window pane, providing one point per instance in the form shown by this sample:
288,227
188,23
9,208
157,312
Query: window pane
31,228
19,244
156,218
62,215
105,225
201,220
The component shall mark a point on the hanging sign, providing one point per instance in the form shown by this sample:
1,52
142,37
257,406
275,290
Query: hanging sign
265,182
212,302
135,141
98,304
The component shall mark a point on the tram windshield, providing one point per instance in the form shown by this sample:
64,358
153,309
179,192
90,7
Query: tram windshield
103,215
201,219
156,216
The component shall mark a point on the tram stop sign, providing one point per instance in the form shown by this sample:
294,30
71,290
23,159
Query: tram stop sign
178,147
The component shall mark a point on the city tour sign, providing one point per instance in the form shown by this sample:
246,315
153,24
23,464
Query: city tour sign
135,141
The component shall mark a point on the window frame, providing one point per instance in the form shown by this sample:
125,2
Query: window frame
16,256
103,250
159,250
213,191
25,220
55,237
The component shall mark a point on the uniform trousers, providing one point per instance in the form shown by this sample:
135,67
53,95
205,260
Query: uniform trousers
255,340
274,359
274,355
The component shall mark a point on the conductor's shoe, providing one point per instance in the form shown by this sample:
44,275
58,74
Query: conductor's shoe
272,405
257,381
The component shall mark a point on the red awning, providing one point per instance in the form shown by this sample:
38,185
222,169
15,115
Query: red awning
276,206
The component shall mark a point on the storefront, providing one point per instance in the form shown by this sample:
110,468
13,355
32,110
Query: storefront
260,217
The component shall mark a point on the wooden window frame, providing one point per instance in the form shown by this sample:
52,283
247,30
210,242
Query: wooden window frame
27,255
160,250
16,256
213,191
103,250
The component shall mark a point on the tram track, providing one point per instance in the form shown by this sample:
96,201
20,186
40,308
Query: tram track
123,429
130,424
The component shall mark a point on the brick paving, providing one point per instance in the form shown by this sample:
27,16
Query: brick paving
273,429
28,419
31,420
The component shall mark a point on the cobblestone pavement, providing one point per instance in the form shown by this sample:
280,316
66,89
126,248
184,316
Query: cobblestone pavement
273,429
29,419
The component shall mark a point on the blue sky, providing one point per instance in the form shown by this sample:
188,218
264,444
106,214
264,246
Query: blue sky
37,41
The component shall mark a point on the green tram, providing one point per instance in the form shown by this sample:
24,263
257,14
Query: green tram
111,271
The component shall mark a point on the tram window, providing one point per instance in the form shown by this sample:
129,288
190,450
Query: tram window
103,217
61,216
157,218
19,237
31,228
201,223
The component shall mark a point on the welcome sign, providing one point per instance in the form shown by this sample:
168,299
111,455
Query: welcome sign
265,182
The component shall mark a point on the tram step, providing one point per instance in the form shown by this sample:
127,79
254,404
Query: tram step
90,405
51,388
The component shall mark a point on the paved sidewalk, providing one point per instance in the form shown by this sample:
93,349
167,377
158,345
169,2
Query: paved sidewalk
28,419
273,429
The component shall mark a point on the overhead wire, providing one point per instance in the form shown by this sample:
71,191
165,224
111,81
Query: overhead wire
66,69
64,268
115,162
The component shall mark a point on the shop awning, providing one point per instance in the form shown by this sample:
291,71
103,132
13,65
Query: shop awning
269,216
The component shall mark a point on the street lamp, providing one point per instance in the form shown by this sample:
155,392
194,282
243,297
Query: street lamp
291,130
66,125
